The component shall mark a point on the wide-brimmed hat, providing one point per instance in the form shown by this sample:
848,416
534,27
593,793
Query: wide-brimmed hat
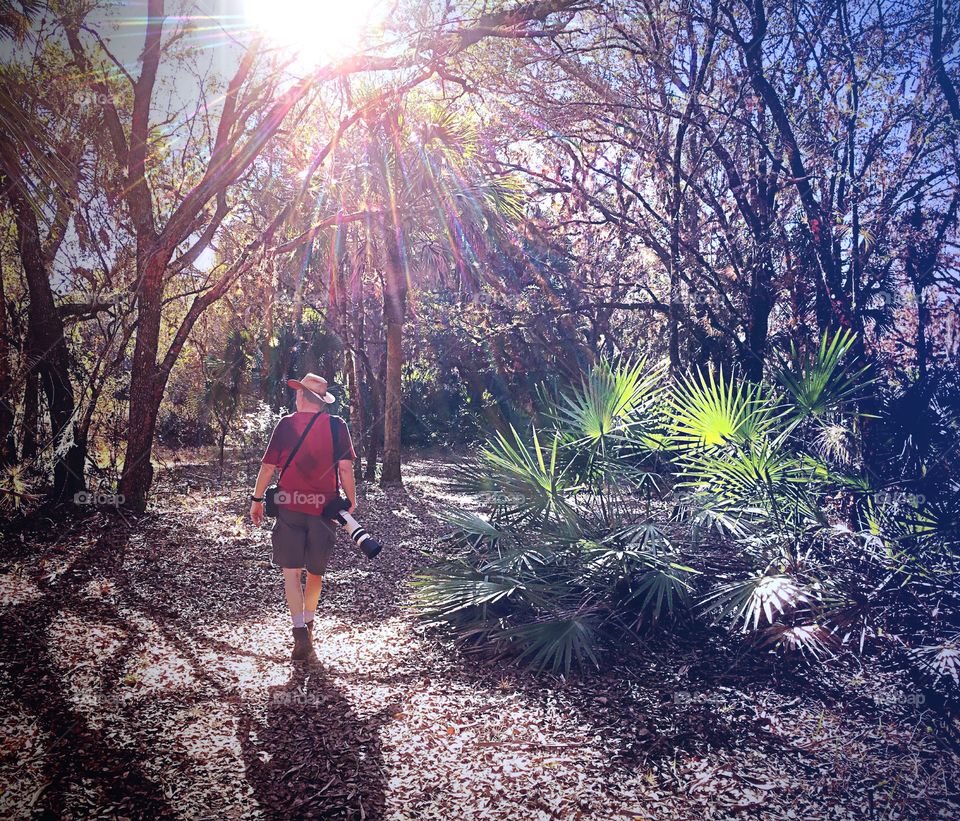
314,386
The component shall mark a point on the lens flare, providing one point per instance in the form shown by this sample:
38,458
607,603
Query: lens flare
317,31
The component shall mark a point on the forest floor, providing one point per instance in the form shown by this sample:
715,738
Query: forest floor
145,673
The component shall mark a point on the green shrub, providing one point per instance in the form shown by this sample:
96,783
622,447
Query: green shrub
589,514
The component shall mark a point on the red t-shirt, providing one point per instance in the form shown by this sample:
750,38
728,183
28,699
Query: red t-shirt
311,479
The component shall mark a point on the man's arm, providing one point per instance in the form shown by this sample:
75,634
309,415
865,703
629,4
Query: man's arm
263,480
345,468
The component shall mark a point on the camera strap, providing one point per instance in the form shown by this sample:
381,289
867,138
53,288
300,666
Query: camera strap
336,461
296,447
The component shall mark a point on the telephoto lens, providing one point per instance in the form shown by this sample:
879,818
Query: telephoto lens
336,511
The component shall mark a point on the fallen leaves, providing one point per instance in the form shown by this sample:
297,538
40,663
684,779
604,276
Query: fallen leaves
156,655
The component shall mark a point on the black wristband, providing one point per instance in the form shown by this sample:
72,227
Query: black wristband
256,498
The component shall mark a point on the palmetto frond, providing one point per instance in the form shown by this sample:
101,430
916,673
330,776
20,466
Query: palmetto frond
555,643
745,602
713,410
942,660
707,513
15,18
911,527
573,549
618,559
527,479
469,528
823,383
760,475
812,640
17,488
444,593
525,559
445,128
661,590
745,473
503,196
836,442
613,401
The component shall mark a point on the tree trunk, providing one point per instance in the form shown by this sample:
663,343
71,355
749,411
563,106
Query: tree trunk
222,446
147,382
375,434
356,412
395,284
393,405
7,447
267,347
137,476
357,419
31,415
761,304
370,473
46,345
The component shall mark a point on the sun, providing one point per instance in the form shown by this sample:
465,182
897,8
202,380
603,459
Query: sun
317,31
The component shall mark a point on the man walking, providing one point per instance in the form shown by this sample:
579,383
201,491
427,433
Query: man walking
302,538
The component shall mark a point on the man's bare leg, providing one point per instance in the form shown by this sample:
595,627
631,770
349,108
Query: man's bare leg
294,593
311,596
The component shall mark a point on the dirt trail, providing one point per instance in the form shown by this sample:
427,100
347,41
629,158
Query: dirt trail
145,672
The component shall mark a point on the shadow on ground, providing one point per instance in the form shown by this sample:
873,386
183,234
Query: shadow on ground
136,682
311,756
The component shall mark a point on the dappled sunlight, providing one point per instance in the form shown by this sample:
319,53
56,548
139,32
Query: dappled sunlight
24,746
345,649
627,333
83,650
492,751
247,655
17,588
438,488
157,668
197,756
196,678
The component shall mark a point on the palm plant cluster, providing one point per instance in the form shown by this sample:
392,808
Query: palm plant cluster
635,504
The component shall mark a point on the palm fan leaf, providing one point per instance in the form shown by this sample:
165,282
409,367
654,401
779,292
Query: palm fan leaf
469,528
661,590
712,410
555,643
525,479
747,601
942,660
442,594
812,640
823,383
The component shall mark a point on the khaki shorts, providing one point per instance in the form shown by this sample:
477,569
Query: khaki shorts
301,540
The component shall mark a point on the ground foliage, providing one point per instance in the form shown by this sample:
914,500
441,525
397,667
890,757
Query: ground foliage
144,674
597,519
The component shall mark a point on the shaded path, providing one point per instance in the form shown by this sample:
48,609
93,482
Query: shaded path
144,672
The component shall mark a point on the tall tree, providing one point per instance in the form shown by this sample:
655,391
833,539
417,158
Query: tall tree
250,114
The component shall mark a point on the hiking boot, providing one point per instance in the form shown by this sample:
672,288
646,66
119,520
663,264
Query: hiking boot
302,646
310,631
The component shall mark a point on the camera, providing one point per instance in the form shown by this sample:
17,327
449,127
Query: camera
336,511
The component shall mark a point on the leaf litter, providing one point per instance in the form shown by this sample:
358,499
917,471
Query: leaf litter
145,672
